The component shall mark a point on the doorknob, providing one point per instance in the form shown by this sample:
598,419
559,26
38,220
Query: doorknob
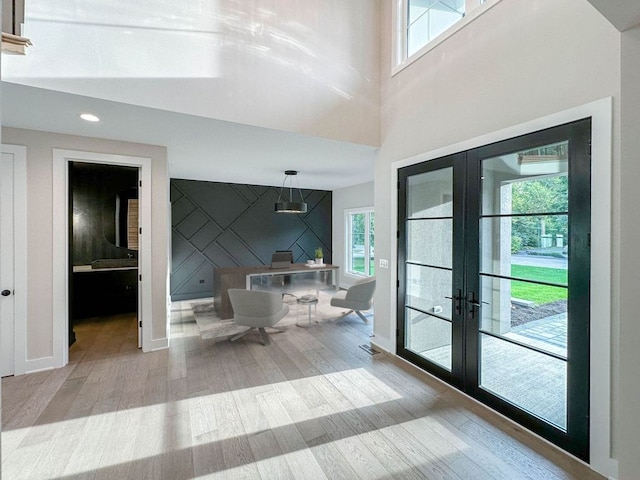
5,293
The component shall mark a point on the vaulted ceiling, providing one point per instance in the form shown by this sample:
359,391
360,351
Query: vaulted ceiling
623,14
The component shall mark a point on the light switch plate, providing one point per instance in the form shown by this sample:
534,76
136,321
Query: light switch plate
384,263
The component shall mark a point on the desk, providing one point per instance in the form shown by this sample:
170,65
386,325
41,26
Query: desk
267,278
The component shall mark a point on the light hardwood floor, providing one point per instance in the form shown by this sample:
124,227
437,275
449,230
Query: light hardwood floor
311,405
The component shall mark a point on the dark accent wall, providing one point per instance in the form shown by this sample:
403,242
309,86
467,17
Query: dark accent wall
93,186
222,225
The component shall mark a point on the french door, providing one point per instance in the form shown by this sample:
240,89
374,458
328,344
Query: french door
493,270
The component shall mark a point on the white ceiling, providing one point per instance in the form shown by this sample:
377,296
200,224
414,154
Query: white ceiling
623,14
198,148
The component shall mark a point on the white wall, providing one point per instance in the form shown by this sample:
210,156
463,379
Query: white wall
0,381
357,196
40,229
629,333
308,67
520,61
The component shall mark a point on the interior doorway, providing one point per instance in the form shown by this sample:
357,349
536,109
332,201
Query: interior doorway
103,246
494,268
62,265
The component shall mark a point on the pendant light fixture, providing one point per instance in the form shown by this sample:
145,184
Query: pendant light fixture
289,206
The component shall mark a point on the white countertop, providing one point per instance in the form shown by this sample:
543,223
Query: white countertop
87,268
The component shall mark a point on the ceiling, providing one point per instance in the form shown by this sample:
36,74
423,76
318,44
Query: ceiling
198,148
623,14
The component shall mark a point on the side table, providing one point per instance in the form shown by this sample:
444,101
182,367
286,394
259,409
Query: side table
308,301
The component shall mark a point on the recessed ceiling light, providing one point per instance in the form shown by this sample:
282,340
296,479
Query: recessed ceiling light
89,117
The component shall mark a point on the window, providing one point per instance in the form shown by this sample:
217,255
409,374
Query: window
360,242
427,19
421,21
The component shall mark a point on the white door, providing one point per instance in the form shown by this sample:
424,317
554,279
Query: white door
7,274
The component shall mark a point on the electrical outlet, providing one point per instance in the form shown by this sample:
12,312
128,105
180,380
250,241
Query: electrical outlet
201,281
384,263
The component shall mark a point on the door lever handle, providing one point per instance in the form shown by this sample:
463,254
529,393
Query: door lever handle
474,302
458,301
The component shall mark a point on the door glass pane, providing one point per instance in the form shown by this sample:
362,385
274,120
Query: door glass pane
525,312
523,250
532,181
430,194
429,337
429,276
427,289
530,370
531,380
430,242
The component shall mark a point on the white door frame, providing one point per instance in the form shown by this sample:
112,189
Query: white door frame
61,264
19,254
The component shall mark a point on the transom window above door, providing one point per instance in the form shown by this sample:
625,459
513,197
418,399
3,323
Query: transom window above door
420,23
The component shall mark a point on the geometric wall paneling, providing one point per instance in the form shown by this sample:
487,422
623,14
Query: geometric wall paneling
181,250
181,209
223,224
186,270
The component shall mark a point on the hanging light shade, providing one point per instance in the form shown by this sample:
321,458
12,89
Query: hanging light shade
284,205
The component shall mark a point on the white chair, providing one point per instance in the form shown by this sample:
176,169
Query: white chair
357,298
257,309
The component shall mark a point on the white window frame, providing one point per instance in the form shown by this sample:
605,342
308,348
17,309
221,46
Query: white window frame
400,58
348,261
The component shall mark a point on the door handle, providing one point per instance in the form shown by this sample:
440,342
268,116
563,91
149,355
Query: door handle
5,293
458,302
473,301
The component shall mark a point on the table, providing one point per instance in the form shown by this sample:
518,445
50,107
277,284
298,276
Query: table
307,300
264,277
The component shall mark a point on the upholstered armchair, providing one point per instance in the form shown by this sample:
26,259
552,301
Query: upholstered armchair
357,298
257,309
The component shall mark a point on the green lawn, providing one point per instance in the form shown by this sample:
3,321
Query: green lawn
540,294
358,265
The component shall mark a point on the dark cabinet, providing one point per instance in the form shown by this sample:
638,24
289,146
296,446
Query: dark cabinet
104,292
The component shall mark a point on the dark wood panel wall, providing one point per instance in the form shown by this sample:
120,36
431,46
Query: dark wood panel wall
93,189
223,225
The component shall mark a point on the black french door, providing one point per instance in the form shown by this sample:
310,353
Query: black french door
493,270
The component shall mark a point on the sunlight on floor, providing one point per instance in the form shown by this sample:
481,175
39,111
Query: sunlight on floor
96,442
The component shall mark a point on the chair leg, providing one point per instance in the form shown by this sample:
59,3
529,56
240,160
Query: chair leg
265,336
364,319
239,335
342,315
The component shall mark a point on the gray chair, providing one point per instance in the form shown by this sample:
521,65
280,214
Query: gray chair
357,298
256,309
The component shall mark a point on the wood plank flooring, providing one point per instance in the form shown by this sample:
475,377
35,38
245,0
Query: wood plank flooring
312,405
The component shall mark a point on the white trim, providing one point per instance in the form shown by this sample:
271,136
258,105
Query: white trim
20,254
39,365
61,159
158,344
601,112
399,47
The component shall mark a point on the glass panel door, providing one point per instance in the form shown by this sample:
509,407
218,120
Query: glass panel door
493,277
429,323
523,279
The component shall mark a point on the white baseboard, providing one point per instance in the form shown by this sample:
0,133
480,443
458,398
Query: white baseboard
38,365
158,344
